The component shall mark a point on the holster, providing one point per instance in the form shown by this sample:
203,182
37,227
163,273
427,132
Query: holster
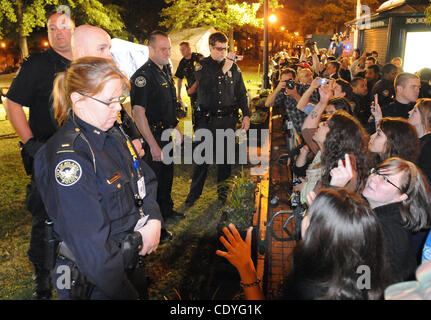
80,287
51,245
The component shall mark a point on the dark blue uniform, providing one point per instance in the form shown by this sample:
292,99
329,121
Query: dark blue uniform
32,87
89,185
186,69
154,89
219,98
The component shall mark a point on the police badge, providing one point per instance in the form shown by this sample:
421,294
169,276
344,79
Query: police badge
140,81
68,172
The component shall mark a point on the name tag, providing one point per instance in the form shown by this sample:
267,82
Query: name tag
141,187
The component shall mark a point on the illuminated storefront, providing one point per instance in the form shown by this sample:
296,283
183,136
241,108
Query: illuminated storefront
397,29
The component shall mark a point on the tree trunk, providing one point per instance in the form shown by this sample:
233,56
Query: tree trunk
22,38
231,40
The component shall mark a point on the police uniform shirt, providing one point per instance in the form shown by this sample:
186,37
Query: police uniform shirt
32,87
397,109
218,91
154,89
386,91
92,205
186,68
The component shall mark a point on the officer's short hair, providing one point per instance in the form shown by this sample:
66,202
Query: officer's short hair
401,79
153,36
184,43
388,68
60,11
217,37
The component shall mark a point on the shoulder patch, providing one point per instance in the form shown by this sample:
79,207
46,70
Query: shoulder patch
68,172
385,93
198,66
140,81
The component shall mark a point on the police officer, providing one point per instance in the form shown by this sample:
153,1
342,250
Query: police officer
153,98
221,92
91,41
98,193
385,86
32,87
186,69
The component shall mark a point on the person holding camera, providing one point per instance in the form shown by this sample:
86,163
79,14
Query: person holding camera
99,194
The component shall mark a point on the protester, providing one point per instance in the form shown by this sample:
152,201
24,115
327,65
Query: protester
394,137
399,194
325,243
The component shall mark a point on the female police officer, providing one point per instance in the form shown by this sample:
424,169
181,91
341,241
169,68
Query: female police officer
96,191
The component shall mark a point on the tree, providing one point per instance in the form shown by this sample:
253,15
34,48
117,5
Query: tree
20,18
327,16
224,15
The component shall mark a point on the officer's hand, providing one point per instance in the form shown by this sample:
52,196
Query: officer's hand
229,61
156,153
150,236
32,146
138,147
245,123
179,98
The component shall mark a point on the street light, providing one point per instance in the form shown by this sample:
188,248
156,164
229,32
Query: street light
272,18
3,45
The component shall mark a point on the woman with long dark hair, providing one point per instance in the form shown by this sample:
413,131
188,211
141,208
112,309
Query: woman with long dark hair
340,235
345,135
394,137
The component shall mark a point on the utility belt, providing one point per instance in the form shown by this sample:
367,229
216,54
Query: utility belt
159,127
81,288
226,112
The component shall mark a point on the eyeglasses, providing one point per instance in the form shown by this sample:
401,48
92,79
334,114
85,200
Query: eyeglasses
220,48
109,104
376,171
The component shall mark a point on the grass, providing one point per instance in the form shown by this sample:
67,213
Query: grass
185,268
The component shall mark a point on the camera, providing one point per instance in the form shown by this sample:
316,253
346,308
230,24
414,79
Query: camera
290,84
322,81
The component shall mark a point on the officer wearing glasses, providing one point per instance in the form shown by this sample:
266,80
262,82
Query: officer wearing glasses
221,93
98,192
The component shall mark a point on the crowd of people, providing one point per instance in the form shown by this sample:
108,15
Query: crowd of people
364,171
101,190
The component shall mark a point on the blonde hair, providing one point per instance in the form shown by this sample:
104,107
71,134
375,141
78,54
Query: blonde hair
424,108
87,76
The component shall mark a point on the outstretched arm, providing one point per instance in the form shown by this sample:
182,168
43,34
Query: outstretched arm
239,255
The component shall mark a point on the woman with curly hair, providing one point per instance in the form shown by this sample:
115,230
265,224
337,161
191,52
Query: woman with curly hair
394,137
344,134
